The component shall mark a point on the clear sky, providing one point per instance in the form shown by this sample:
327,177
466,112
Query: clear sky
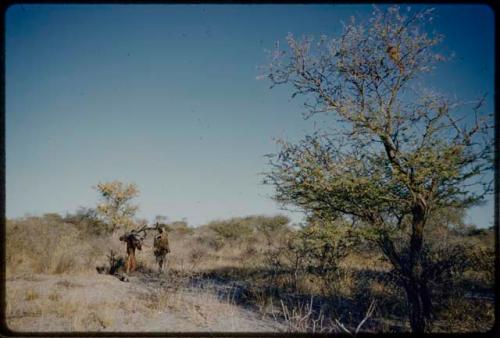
166,96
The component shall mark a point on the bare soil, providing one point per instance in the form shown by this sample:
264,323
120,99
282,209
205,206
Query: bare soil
147,303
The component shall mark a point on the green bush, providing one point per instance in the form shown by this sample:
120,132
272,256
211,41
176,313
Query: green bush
272,227
179,228
314,252
232,230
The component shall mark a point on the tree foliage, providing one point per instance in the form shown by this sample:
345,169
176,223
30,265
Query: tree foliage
232,230
322,245
116,206
396,153
272,227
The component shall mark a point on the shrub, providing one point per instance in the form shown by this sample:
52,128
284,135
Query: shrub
232,230
315,251
272,227
179,228
87,220
48,245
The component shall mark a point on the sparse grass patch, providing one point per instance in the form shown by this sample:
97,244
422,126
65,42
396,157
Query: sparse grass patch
67,284
205,308
55,297
465,315
66,309
31,295
160,299
92,320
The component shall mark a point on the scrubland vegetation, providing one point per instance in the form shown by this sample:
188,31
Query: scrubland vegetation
395,161
385,189
315,278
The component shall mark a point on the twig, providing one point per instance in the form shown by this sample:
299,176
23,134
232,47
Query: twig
369,312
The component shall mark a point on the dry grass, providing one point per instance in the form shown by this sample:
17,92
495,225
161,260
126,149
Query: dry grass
160,299
200,305
94,318
79,307
40,246
67,284
46,246
31,295
55,297
78,313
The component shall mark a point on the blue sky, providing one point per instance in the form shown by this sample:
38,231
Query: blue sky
166,96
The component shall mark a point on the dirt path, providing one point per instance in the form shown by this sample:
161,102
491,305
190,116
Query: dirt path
146,303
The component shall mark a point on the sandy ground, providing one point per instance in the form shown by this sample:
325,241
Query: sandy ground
94,302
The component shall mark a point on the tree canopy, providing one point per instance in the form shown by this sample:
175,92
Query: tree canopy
116,206
395,151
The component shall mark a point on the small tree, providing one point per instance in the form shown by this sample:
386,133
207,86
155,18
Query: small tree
272,227
116,208
318,248
396,154
233,230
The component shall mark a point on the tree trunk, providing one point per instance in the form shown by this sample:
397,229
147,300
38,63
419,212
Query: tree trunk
296,275
419,306
411,271
418,294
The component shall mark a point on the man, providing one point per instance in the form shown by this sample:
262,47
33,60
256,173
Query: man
132,243
161,247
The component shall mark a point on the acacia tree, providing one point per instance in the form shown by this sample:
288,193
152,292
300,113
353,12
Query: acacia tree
116,208
395,153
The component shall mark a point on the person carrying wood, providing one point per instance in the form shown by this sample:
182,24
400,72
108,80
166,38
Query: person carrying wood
134,241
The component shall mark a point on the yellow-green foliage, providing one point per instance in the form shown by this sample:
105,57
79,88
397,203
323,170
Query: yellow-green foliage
231,230
313,254
116,207
238,229
272,227
179,228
